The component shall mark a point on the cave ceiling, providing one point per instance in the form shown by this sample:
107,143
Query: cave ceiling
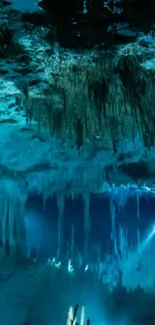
77,99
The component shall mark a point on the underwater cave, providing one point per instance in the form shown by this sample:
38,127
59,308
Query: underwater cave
77,162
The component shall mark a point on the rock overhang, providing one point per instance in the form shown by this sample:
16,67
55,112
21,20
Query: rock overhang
50,140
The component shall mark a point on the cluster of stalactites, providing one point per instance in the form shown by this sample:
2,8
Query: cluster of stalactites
12,229
61,204
118,200
97,102
87,227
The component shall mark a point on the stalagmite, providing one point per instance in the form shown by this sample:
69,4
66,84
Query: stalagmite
61,204
87,227
12,228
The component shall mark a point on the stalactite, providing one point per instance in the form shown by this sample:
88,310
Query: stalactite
113,224
11,222
12,228
72,248
3,206
139,243
123,242
138,231
87,227
137,197
61,204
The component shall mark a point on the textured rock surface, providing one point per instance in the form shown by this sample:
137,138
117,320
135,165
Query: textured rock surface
73,120
82,24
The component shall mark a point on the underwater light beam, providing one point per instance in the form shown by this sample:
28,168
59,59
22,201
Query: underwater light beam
147,240
152,233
